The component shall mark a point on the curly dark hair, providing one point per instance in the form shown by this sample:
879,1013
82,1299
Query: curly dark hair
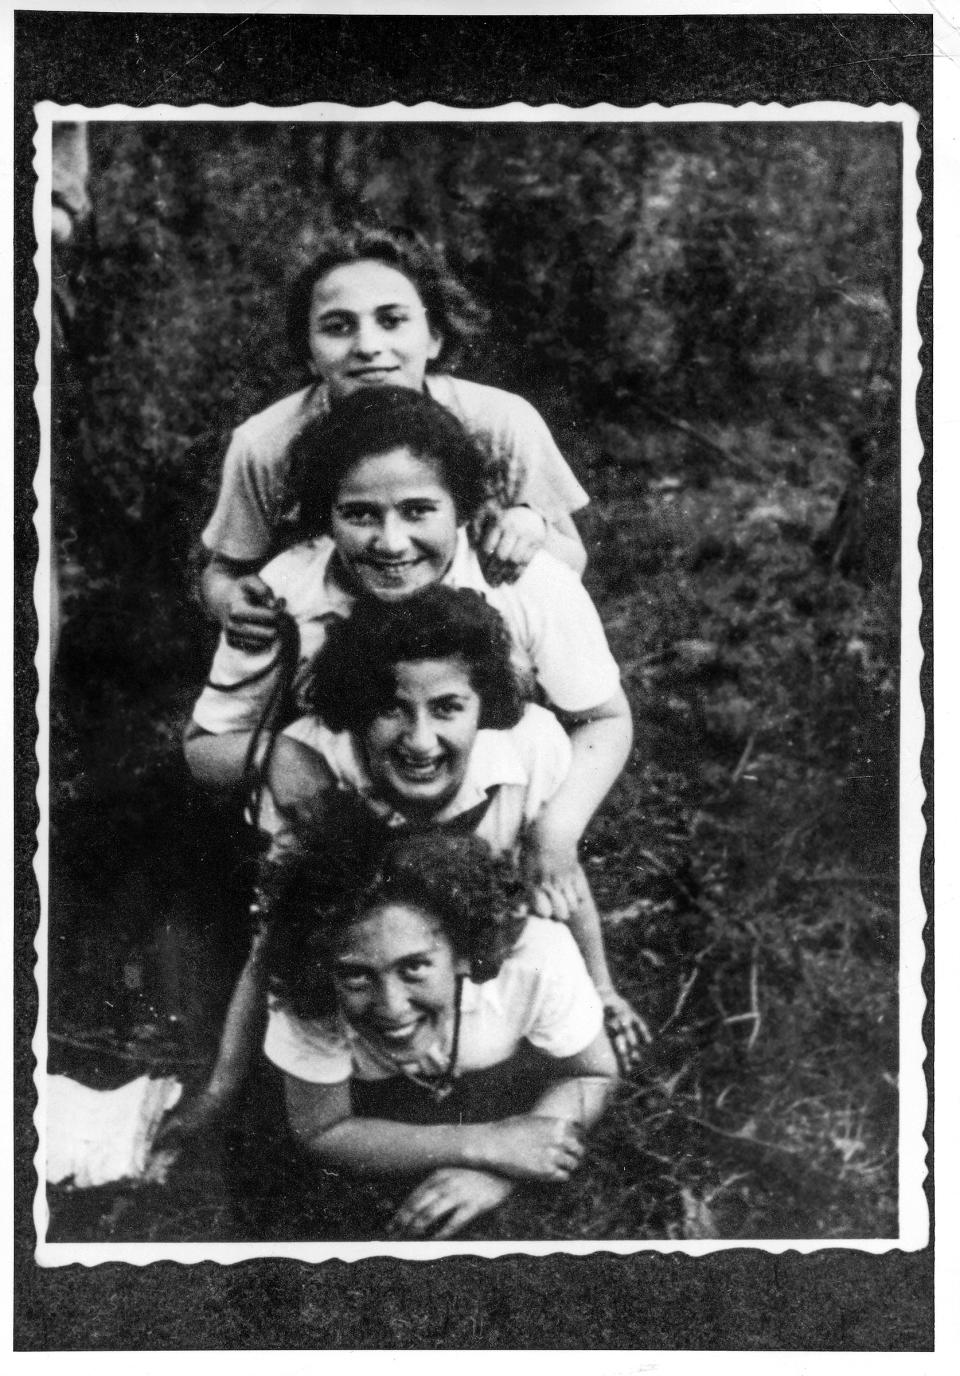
451,309
353,676
330,882
372,422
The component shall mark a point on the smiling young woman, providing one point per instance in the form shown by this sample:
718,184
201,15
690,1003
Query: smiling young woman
424,1028
394,524
417,709
418,747
396,980
380,308
369,328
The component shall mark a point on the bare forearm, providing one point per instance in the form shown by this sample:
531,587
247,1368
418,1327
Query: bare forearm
524,1147
582,1100
217,585
243,1025
375,1146
588,934
582,1085
600,749
217,761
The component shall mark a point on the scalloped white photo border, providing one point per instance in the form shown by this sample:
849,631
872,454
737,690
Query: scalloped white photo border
914,1222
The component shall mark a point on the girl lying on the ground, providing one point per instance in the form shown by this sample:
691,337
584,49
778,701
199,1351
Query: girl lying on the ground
426,1028
375,308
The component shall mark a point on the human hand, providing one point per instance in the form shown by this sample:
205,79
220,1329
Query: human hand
508,540
448,1200
553,869
533,1147
193,1116
626,1029
252,615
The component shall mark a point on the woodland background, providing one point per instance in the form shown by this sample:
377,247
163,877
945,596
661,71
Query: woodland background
707,315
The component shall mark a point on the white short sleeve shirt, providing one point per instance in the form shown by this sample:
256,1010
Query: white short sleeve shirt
519,770
555,630
254,505
542,995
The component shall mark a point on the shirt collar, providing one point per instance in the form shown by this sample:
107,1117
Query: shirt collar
494,761
464,570
317,393
339,599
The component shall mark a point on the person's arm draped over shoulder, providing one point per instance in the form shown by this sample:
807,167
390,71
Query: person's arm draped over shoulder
533,490
237,597
564,543
600,741
228,711
507,539
559,627
555,623
242,533
241,682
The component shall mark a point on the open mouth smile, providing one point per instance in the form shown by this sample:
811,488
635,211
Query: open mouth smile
401,1035
417,769
393,570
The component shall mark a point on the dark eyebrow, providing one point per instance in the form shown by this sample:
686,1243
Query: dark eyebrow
351,967
418,955
384,306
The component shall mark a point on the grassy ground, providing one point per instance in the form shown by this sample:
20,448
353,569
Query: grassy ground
746,863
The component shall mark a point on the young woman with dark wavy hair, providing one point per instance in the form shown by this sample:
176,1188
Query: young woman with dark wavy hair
426,1028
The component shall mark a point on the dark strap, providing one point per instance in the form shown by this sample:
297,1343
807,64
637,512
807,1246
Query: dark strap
464,821
270,720
245,682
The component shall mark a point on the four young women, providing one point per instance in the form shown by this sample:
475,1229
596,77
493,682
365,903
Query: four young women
418,647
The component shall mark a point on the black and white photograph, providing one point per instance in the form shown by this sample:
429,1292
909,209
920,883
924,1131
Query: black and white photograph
478,713
477,553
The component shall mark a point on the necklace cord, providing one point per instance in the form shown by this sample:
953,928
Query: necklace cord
451,1070
441,1085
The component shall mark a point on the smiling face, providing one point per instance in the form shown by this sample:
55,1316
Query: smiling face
394,525
417,748
367,328
395,977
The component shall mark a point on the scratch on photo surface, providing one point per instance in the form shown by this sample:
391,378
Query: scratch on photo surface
193,57
938,50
